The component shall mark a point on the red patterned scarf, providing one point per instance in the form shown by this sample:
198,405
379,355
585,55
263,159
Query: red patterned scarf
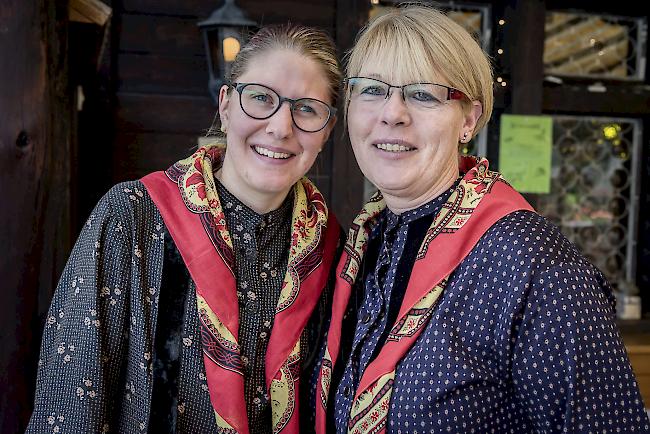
187,199
481,198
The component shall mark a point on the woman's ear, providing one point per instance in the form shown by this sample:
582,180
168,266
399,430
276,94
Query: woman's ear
472,116
329,127
224,102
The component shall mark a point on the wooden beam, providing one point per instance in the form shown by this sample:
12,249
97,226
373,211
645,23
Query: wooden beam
347,179
35,169
526,44
616,99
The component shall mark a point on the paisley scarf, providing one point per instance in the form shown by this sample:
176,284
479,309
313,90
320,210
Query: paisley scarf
481,198
187,199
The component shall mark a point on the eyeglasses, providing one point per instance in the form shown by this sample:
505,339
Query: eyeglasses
370,91
260,102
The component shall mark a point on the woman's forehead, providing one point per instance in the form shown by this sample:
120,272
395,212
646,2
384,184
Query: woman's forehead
399,73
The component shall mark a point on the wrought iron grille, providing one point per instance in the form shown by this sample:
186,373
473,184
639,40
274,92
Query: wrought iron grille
595,178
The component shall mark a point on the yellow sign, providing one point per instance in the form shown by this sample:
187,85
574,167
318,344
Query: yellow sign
525,147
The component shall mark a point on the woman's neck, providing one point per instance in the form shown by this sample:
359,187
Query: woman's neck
259,201
400,201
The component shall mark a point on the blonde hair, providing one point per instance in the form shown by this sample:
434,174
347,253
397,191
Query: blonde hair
418,42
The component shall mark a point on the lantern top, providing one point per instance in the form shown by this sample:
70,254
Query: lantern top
227,15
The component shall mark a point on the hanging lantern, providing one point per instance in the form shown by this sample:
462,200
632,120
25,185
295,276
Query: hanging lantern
223,35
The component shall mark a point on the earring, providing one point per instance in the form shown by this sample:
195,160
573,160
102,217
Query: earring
223,129
464,139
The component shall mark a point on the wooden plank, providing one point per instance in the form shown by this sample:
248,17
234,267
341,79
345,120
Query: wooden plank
164,113
89,11
172,36
162,74
618,99
35,169
310,12
137,154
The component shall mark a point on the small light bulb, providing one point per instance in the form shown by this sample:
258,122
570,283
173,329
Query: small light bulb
500,51
503,83
231,47
502,22
499,79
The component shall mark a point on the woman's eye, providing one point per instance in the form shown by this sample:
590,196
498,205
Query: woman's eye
423,96
260,97
304,109
373,90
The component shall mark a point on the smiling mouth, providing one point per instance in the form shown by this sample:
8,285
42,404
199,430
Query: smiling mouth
268,153
393,147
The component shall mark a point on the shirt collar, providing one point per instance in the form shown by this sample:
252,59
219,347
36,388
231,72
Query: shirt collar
238,211
432,207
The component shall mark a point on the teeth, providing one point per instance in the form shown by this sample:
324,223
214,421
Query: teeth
393,147
271,154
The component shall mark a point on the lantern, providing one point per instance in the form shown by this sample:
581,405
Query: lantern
223,35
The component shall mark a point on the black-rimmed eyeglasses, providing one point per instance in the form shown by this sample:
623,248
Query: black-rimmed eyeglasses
419,95
261,102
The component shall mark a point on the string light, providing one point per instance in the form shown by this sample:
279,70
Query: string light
502,22
500,51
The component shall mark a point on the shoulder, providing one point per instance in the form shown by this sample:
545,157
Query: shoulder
533,246
531,238
127,203
128,197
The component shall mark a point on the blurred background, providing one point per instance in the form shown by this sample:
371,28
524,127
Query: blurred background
97,92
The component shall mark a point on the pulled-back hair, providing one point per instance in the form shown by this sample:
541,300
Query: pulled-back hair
418,42
310,42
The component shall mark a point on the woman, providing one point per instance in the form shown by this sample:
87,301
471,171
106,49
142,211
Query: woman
457,308
193,297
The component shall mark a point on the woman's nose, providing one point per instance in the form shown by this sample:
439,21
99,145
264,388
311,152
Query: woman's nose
280,125
395,110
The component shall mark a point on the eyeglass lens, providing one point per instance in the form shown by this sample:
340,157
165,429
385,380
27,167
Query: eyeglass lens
261,102
423,95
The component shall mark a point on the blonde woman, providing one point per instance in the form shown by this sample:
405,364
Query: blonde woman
457,308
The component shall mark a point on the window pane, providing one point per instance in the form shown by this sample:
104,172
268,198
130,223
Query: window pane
595,46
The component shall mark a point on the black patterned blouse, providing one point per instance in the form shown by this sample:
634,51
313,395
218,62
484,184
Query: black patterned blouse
121,350
261,247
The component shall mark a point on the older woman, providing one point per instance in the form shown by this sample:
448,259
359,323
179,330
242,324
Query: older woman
457,307
193,298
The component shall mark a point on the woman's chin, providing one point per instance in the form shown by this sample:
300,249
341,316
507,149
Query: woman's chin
273,185
391,184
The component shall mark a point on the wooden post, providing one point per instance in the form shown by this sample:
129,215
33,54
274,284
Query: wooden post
527,19
347,179
35,147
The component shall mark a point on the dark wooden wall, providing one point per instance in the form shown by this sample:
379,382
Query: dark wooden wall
162,102
35,177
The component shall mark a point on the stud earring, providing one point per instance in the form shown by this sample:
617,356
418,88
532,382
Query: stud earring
464,139
223,129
